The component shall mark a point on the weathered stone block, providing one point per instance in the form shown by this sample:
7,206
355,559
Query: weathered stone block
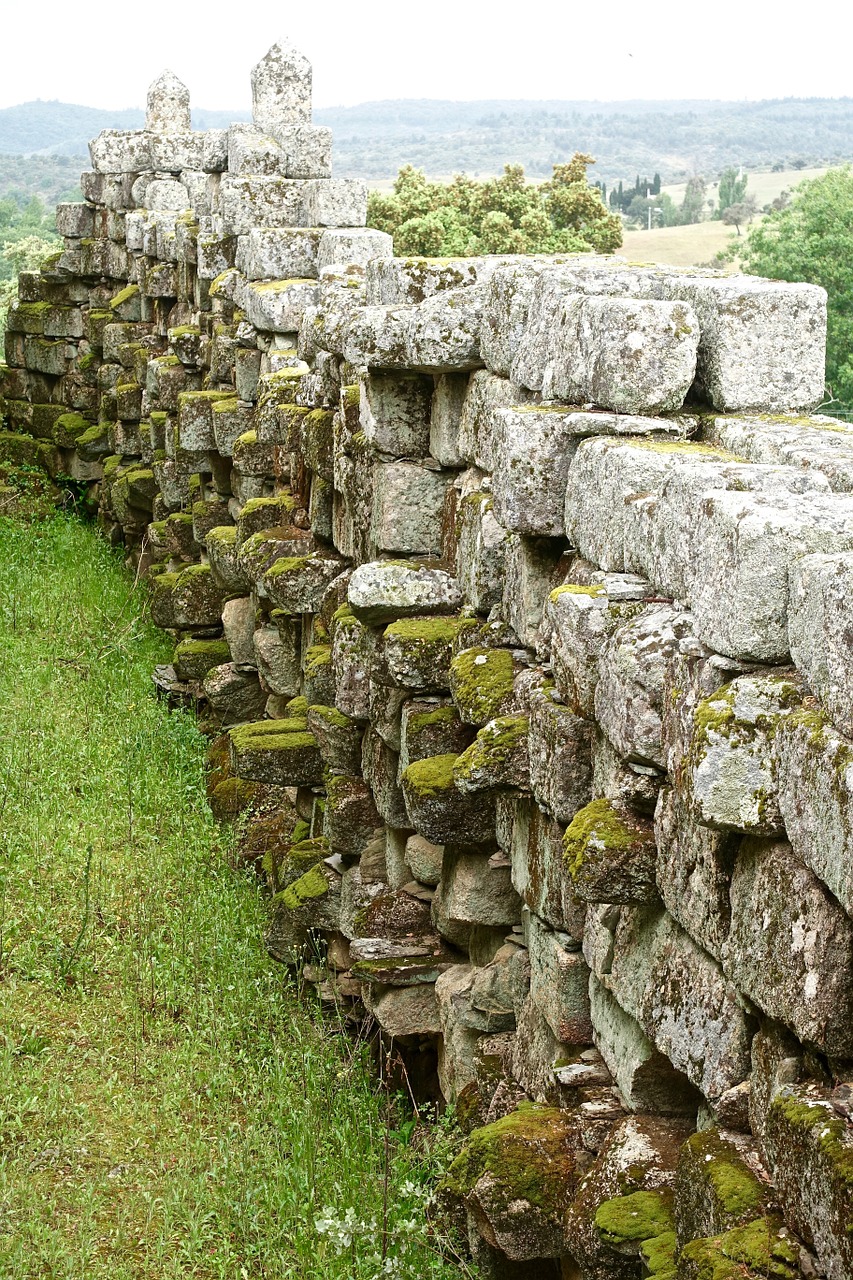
438,810
283,752
611,854
408,503
645,1077
384,590
790,946
559,983
819,631
395,413
560,756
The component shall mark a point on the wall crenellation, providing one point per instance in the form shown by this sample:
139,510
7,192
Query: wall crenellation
516,592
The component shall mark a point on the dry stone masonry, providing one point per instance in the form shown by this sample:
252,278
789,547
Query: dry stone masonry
518,591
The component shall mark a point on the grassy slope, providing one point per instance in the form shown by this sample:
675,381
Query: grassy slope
166,1107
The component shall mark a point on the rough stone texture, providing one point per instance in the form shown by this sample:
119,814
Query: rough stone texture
627,355
820,634
731,763
762,344
815,783
790,946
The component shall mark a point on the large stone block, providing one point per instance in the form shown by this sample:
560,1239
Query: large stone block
560,749
746,546
694,871
281,88
628,355
579,618
279,305
790,947
679,995
815,443
629,692
645,1077
730,770
395,413
819,631
278,253
815,771
559,983
408,503
762,342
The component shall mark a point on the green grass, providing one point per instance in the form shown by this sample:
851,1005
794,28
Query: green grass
168,1108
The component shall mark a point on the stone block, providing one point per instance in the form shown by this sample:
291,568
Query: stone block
444,332
539,872
560,757
579,618
235,696
277,306
790,946
533,447
283,752
532,571
610,854
306,149
278,253
762,342
438,810
395,413
627,355
299,584
808,1148
383,591
497,759
746,546
480,553
281,88
629,692
115,151
819,631
168,105
730,770
352,246
335,202
645,1077
277,656
247,202
473,891
679,996
408,505
559,983
815,443
694,871
815,771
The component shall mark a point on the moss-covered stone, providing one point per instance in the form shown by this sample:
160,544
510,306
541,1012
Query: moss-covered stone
624,1222
715,1188
283,752
194,658
481,684
760,1250
520,1174
497,758
439,810
417,651
611,854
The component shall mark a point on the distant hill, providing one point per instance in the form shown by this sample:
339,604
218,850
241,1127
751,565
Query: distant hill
373,140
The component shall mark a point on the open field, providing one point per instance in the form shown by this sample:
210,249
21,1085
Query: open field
764,186
677,246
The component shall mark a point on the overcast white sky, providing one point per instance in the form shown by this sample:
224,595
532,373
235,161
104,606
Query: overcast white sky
368,49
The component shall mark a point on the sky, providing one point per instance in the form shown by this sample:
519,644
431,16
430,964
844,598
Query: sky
363,50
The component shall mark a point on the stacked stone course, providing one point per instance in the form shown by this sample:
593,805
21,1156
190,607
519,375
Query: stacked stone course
519,590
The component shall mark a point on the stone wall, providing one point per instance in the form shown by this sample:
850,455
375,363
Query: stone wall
518,593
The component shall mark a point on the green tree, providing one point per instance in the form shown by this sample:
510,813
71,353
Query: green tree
506,214
732,188
812,240
694,200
